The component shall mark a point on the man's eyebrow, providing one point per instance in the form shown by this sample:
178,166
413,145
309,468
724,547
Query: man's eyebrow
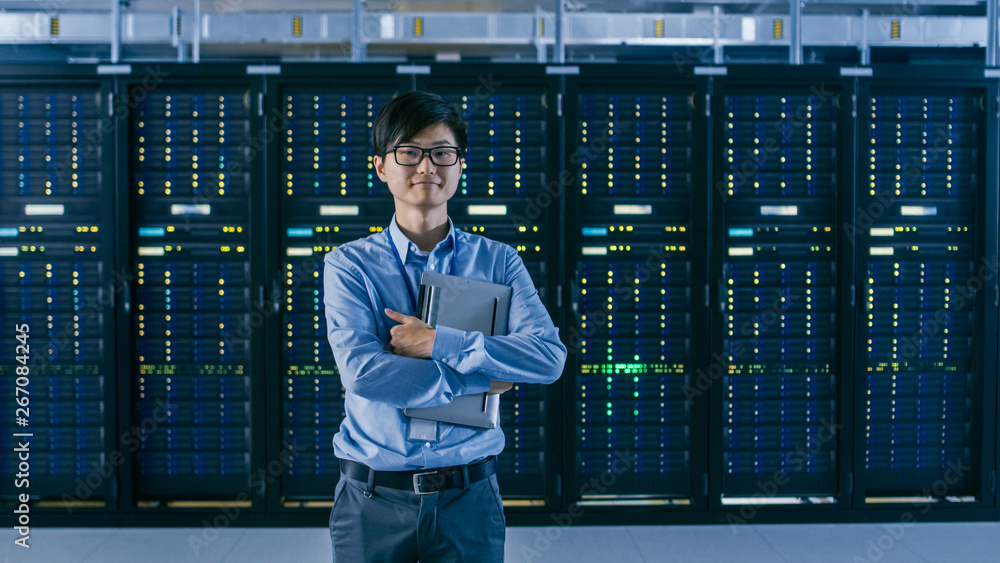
434,144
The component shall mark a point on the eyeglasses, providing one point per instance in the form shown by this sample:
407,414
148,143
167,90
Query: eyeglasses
409,155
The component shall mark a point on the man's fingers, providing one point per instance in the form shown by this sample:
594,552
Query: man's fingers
397,316
497,387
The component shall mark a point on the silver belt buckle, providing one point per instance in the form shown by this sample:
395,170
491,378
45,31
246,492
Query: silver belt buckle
416,482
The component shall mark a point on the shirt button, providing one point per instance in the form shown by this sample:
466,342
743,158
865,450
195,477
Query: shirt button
427,444
413,247
445,360
432,266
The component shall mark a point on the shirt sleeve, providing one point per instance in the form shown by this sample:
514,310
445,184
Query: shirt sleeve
367,369
530,352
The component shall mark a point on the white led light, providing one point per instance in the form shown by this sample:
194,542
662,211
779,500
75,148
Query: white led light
44,209
918,210
779,210
633,210
352,210
487,210
190,209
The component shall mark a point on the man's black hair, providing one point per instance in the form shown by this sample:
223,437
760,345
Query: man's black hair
409,114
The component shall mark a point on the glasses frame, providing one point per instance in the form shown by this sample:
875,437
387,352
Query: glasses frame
423,152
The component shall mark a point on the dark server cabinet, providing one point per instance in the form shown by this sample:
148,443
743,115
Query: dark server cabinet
637,251
778,192
329,195
923,271
508,167
191,154
57,287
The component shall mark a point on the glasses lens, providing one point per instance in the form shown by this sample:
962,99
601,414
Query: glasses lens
408,156
411,156
444,156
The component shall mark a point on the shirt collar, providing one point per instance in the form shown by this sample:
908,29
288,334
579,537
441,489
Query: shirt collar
403,243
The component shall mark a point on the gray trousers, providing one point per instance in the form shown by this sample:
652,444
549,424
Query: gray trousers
395,526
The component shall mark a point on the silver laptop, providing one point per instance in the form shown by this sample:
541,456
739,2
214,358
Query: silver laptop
469,305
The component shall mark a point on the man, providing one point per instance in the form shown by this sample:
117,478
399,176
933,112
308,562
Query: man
407,492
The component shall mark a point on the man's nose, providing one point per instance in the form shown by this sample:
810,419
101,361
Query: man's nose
429,166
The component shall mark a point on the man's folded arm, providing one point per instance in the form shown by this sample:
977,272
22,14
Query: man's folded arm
530,352
367,369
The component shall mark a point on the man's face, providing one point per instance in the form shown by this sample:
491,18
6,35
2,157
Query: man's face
425,186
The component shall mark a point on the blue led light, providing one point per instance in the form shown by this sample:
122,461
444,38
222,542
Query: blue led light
152,232
299,232
595,232
741,232
8,232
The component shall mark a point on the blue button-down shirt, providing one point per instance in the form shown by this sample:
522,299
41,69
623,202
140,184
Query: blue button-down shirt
362,278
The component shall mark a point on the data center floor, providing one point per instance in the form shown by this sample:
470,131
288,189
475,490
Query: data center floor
793,543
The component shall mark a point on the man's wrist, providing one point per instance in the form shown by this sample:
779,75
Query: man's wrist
430,347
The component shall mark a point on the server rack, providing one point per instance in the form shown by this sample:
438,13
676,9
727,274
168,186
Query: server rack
328,194
783,332
193,177
636,250
926,225
509,166
59,287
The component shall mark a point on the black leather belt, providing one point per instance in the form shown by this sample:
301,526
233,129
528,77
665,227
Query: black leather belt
423,482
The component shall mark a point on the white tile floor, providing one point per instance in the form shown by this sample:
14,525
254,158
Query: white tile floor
774,543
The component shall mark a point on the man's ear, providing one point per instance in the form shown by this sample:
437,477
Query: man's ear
379,162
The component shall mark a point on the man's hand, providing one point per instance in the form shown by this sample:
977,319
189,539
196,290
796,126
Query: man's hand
412,337
497,387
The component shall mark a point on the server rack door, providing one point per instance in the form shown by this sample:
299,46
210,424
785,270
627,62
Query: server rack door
189,177
778,154
330,195
508,164
991,249
635,255
56,267
920,240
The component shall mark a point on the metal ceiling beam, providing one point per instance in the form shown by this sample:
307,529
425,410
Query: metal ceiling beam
560,47
274,31
991,33
795,19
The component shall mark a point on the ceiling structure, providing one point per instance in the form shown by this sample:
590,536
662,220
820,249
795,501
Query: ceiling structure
721,31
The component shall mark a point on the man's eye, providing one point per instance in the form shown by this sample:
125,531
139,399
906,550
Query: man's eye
408,152
444,153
